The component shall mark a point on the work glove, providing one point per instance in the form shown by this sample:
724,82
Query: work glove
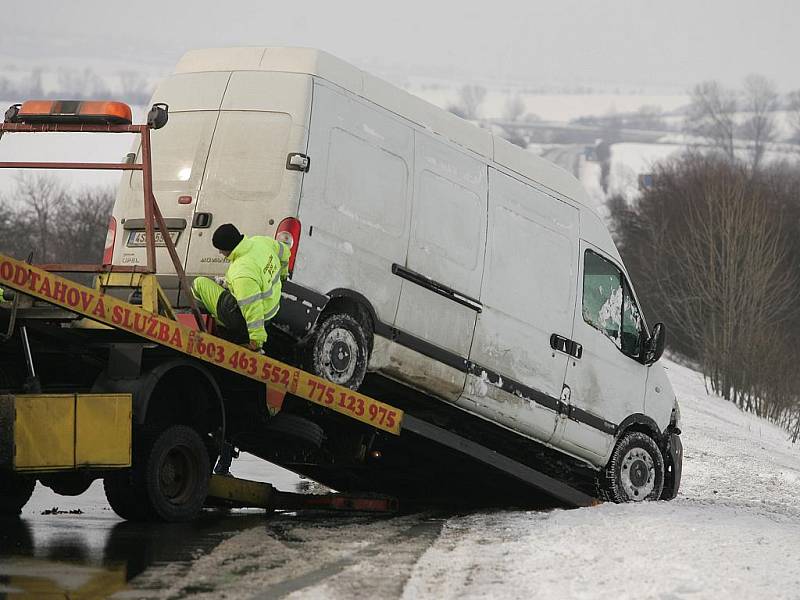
221,281
255,346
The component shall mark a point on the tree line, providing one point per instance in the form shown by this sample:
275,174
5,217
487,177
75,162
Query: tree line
713,249
78,84
41,216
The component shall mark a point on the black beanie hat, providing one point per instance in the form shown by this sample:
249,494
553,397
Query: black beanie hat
226,237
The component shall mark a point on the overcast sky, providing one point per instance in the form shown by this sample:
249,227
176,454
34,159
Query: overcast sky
665,43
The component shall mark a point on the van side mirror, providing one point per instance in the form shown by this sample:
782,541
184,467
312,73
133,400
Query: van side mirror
655,345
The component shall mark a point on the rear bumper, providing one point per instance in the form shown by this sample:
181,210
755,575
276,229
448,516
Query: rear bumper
674,466
300,309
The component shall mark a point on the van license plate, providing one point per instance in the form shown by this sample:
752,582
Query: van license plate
138,239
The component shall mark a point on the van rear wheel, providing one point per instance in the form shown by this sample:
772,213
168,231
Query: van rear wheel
635,472
338,350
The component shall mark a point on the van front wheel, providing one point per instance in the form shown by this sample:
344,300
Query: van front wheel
338,350
636,470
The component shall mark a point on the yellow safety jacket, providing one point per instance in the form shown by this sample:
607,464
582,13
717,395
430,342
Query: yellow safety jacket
258,266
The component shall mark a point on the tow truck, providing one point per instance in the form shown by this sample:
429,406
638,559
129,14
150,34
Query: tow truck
109,381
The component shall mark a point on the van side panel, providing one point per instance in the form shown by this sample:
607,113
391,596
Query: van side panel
356,199
528,293
448,238
447,242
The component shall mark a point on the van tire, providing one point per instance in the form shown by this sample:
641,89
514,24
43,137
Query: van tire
15,491
635,472
338,350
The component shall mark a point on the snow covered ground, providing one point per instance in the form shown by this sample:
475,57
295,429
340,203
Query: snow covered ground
732,533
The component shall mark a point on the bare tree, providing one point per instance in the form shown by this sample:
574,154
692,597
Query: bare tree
84,218
134,87
514,109
712,249
39,197
711,115
759,101
33,86
469,102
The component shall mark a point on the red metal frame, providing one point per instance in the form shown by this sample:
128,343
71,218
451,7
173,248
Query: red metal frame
152,213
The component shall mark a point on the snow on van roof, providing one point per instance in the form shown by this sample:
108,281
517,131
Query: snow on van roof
328,67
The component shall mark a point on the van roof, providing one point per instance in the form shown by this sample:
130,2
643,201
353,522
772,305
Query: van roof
413,108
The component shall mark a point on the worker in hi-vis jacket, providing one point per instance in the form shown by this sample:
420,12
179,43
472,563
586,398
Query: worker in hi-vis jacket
250,294
250,297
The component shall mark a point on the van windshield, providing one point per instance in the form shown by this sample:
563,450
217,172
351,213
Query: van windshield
179,152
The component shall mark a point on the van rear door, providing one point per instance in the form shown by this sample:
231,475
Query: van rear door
264,118
180,151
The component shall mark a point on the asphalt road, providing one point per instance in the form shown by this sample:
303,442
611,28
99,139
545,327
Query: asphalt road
567,156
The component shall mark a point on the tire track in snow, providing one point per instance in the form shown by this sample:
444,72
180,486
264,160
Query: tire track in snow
379,570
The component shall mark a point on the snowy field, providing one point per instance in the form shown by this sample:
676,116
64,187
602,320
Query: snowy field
733,532
555,106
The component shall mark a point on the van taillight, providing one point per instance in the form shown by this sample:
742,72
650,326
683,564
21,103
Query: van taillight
288,232
111,236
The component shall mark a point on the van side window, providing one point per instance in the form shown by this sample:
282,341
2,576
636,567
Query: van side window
609,305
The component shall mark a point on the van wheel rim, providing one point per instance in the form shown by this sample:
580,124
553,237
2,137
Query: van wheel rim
339,355
638,474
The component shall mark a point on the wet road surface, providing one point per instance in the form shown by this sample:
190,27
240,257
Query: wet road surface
76,547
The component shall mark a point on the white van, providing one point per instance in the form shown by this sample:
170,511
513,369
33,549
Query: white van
423,247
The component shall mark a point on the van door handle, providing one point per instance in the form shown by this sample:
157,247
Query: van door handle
202,220
565,345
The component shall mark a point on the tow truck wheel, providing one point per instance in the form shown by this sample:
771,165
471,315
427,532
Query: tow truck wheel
124,498
338,350
296,429
15,491
177,474
635,472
